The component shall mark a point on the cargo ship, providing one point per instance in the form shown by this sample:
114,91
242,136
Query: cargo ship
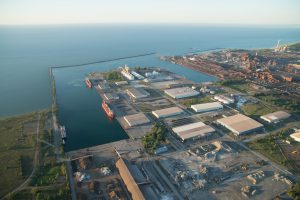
88,83
107,110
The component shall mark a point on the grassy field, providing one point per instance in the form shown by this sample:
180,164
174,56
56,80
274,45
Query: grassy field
255,110
196,100
268,147
281,100
17,143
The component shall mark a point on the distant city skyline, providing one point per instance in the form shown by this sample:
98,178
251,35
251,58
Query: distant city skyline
264,12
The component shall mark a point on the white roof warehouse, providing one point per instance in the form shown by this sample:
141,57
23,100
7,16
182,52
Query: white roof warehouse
182,92
167,112
206,107
275,117
198,129
240,124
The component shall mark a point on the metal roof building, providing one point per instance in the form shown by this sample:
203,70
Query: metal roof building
296,136
275,117
111,96
137,93
136,119
198,129
224,99
182,92
205,107
239,124
167,112
129,181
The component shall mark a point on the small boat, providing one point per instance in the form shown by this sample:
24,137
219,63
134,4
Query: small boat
63,132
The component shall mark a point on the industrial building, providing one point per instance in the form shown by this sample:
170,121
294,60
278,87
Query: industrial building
275,117
224,99
182,92
137,75
206,107
126,73
137,93
296,136
167,112
120,83
240,124
103,85
136,119
111,96
129,181
194,130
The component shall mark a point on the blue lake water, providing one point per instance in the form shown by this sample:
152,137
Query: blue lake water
26,53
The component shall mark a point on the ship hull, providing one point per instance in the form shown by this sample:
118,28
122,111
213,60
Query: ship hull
107,110
88,83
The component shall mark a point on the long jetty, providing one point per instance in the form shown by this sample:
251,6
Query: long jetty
103,61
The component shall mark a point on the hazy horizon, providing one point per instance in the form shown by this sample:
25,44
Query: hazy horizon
228,12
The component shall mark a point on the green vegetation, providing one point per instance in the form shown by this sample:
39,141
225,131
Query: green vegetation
196,100
236,84
294,47
17,143
113,76
268,147
255,110
294,192
280,99
154,138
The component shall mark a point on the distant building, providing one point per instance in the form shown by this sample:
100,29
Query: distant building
240,124
206,107
119,83
182,92
296,136
136,119
111,96
167,112
137,75
275,117
194,130
137,93
224,99
103,85
126,73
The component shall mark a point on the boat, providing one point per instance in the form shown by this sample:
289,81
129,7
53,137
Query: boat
63,132
88,83
107,109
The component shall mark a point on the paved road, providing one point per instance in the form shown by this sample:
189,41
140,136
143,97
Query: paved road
36,153
72,184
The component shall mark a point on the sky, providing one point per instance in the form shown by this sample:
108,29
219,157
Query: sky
272,12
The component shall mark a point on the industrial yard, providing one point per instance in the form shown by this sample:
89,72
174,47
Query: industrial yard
177,150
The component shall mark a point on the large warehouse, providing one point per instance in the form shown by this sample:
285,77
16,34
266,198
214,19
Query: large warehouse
136,119
275,117
137,93
206,107
296,136
167,112
239,124
182,92
198,129
129,181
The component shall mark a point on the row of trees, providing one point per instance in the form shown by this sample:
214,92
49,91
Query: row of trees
113,76
153,139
